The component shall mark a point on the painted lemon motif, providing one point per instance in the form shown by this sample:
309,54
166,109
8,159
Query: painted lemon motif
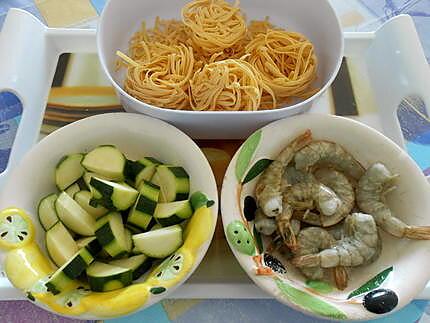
25,266
118,302
201,227
16,229
172,270
68,303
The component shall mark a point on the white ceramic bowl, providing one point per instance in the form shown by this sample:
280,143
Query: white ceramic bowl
315,19
410,202
136,136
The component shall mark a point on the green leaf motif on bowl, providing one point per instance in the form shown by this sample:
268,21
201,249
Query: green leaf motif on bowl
246,153
258,240
309,302
240,238
157,290
257,169
320,286
373,283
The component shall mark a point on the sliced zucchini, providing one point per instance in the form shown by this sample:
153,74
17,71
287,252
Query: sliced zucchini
114,196
74,216
60,244
91,243
138,264
149,190
107,161
111,234
87,178
63,278
128,240
68,170
83,198
106,277
174,183
172,213
142,169
159,243
46,211
133,229
141,215
72,189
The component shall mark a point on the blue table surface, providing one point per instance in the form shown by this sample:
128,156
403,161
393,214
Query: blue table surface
418,144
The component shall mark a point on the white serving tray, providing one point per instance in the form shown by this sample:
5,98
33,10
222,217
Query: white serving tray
385,66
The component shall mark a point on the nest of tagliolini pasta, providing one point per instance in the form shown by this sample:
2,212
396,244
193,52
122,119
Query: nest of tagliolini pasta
213,60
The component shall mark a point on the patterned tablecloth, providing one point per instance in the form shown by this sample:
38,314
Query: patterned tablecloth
355,15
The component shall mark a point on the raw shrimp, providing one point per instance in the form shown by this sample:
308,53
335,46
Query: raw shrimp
328,153
312,240
360,246
371,191
293,176
264,224
305,196
344,190
285,228
268,189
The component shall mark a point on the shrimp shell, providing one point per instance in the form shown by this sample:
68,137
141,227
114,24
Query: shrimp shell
361,246
312,240
268,189
264,224
305,196
328,153
343,188
371,190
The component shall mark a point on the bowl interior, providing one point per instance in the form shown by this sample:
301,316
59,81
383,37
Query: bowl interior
409,202
315,19
135,135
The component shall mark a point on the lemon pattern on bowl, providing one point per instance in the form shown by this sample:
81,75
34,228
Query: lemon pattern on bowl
28,269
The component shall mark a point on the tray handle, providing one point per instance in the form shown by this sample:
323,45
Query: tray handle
26,44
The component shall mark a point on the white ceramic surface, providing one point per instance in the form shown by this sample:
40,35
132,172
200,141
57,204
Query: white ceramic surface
136,136
120,19
410,202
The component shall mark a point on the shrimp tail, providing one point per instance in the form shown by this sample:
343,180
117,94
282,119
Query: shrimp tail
417,233
307,261
340,275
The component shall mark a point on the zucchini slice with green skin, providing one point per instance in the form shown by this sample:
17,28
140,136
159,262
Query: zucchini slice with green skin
139,264
174,183
72,189
128,240
133,229
149,190
107,161
141,215
91,243
73,216
46,211
113,196
68,170
111,234
172,213
159,243
83,198
60,244
142,169
63,279
106,277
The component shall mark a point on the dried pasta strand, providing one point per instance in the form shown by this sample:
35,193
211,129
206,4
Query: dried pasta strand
214,25
286,62
212,61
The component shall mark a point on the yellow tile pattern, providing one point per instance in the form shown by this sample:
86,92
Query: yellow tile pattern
64,13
